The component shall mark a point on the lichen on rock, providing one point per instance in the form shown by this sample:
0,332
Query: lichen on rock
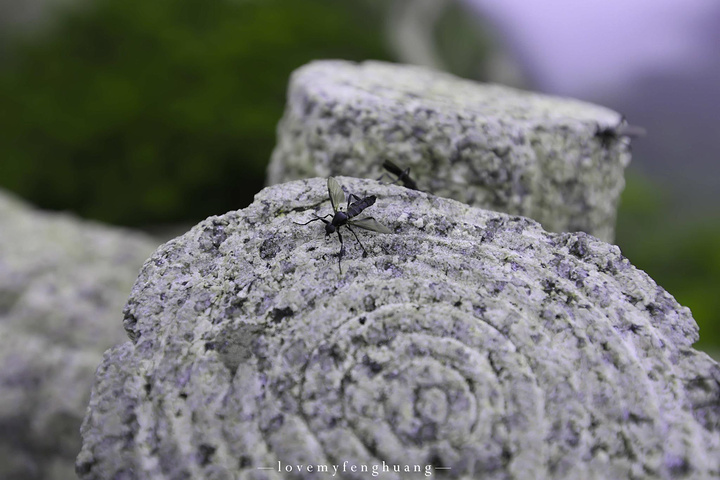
485,145
465,339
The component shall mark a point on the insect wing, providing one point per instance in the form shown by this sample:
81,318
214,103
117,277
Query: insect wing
335,191
631,131
371,224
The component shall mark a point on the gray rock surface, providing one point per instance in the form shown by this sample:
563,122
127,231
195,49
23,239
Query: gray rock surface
486,145
63,283
466,339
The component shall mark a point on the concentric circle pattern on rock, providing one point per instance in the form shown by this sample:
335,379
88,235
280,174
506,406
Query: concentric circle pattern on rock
466,339
486,145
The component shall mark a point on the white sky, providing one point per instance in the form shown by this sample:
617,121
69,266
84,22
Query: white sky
573,46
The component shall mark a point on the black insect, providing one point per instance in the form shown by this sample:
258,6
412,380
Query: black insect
355,205
623,129
402,175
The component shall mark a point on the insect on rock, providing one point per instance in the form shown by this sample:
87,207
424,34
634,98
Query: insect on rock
608,134
403,176
355,206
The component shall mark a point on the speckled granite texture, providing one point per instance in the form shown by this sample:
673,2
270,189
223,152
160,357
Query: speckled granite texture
465,339
63,283
485,145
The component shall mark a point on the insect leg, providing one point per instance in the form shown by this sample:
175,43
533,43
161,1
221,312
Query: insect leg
358,240
342,251
315,219
388,176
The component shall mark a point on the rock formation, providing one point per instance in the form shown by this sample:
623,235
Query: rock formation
466,339
63,283
556,160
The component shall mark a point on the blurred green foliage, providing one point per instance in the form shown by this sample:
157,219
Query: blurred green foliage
463,43
681,254
136,111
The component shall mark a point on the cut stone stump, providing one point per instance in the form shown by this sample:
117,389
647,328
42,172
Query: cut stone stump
555,160
465,339
63,283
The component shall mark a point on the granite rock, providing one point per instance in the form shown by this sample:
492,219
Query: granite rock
63,283
552,159
465,339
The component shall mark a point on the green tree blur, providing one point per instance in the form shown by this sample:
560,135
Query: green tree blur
681,255
135,111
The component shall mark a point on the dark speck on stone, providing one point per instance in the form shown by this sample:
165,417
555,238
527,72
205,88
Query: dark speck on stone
213,236
205,453
579,248
269,249
279,314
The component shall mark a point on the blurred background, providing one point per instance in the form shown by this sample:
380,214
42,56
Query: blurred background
158,113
